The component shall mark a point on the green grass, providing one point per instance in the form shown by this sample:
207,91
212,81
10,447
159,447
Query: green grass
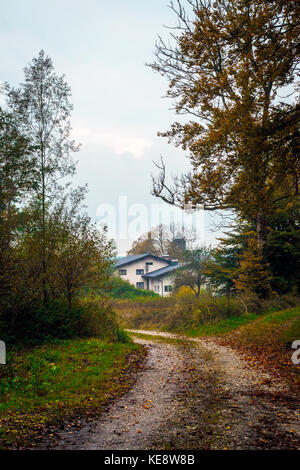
53,382
118,288
281,316
215,328
288,319
281,327
292,333
220,327
255,325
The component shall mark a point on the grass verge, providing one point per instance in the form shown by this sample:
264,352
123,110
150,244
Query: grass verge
57,383
219,327
268,340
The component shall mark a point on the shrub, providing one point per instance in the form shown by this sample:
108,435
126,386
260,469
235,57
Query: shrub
142,313
38,324
99,320
118,288
184,310
252,303
178,311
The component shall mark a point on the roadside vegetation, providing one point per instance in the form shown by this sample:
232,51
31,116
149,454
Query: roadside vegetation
65,381
118,288
185,312
50,250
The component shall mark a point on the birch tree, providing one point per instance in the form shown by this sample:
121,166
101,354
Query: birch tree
42,108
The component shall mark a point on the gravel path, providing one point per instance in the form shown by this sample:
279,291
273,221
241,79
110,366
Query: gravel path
193,394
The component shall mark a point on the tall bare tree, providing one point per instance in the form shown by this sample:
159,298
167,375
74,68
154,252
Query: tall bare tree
162,240
232,67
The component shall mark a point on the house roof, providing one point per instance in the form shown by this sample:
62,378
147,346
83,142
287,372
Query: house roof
132,258
163,271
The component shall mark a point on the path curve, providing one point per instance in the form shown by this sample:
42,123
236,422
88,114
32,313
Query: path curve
193,394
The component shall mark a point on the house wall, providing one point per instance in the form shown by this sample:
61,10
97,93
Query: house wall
161,283
131,268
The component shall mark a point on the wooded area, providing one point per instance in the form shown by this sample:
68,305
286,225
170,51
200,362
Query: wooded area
49,247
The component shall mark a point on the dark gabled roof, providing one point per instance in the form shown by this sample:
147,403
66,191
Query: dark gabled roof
131,258
128,259
163,271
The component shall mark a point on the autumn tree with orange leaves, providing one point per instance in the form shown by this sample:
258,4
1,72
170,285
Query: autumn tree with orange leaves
232,67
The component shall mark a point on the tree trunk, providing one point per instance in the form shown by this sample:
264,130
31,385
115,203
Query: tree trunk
261,230
199,283
44,267
44,264
69,300
228,299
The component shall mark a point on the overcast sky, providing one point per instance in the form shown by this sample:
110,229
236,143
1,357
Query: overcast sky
102,49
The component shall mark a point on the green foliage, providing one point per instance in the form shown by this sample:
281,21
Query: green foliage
253,274
192,273
39,386
182,310
33,375
185,312
49,247
164,239
283,256
39,323
143,312
17,174
220,327
118,288
268,340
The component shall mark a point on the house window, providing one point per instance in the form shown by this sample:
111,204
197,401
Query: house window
147,266
122,272
139,272
140,285
168,288
156,287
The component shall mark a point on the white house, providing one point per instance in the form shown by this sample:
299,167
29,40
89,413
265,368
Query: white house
147,271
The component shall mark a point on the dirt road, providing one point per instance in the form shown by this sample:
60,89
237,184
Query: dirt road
193,394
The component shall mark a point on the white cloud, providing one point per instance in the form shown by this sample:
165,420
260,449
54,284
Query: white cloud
117,141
